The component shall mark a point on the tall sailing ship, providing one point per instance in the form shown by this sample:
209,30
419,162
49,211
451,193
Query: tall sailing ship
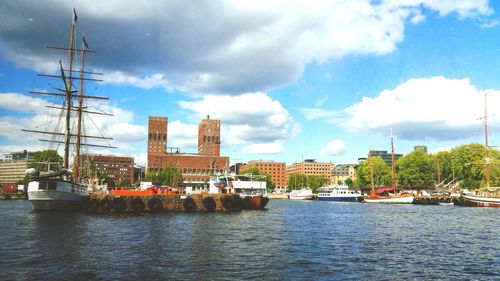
65,188
488,196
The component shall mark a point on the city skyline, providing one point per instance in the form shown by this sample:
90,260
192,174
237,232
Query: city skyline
289,81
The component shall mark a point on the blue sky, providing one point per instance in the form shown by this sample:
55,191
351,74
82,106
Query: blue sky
326,80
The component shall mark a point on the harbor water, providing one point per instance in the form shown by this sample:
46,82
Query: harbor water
291,240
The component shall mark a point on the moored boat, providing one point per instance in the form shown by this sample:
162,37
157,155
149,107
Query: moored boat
382,195
389,199
251,189
488,196
304,193
338,193
66,188
482,198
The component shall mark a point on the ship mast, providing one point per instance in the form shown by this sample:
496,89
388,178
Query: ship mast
67,86
68,94
76,161
393,164
486,141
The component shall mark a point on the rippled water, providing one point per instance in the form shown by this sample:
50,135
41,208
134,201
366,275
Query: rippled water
292,240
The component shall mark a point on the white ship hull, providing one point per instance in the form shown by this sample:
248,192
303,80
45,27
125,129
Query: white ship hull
301,194
480,201
56,195
390,200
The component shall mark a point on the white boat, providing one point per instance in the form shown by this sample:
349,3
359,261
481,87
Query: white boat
66,188
54,194
483,198
446,203
391,199
338,193
304,193
382,195
250,188
488,196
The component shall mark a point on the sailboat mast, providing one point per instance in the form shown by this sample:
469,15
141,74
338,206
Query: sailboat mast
393,164
68,86
372,183
76,163
486,141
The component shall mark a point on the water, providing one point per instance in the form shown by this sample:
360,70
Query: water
292,240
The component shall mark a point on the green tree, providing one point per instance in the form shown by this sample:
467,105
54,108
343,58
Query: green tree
44,159
444,167
125,182
316,181
255,171
104,178
169,176
381,172
252,170
416,168
349,182
295,181
468,162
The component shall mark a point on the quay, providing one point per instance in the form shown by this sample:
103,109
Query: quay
139,202
12,195
438,200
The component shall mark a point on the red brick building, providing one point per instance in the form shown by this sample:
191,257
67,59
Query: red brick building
195,167
118,168
277,171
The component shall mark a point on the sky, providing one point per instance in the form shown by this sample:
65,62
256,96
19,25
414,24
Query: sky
289,80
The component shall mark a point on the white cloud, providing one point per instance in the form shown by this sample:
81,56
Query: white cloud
435,107
126,135
252,118
21,103
149,82
317,113
184,136
222,47
264,148
333,148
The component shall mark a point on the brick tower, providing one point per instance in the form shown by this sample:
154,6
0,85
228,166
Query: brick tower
209,137
157,135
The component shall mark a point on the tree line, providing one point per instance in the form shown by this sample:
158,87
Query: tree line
465,164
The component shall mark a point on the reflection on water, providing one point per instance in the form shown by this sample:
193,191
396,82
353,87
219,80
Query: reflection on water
292,240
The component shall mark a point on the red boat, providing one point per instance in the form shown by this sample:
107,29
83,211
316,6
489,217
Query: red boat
257,202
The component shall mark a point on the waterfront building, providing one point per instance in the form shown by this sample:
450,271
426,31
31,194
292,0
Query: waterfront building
310,167
14,165
195,167
387,157
277,171
13,171
118,168
421,148
342,172
20,155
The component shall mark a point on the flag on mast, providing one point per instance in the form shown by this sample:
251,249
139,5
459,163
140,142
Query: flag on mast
75,17
85,43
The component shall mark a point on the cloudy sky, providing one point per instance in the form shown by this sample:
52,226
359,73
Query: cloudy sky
326,80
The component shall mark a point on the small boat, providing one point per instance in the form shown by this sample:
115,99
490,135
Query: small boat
304,193
338,193
250,188
446,203
66,188
389,199
382,195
